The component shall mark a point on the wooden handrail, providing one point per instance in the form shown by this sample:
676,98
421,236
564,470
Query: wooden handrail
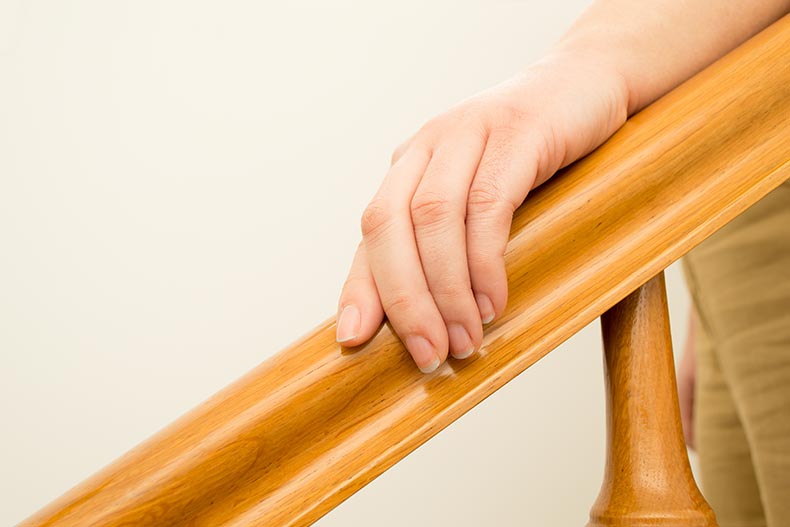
313,424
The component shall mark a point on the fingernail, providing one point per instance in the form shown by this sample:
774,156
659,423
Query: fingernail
486,308
423,353
348,323
460,343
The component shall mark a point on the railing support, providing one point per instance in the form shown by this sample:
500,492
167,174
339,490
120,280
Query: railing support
648,479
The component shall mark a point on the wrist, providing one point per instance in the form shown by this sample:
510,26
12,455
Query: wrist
600,66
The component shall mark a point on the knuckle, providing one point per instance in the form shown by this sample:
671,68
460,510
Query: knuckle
354,280
471,109
451,291
449,119
429,208
422,147
398,152
487,196
376,218
396,303
431,127
507,116
484,260
472,118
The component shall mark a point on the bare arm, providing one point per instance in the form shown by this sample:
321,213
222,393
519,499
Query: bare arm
657,45
435,233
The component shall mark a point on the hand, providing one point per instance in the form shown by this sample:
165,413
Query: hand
434,235
687,377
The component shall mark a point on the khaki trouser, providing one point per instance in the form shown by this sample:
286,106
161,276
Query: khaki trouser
739,280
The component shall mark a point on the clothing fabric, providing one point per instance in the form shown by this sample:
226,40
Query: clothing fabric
739,280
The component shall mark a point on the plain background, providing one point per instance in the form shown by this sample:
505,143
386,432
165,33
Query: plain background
180,192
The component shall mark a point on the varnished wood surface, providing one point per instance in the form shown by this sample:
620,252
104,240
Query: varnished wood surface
648,478
308,427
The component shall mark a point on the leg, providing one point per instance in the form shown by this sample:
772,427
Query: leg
742,293
726,472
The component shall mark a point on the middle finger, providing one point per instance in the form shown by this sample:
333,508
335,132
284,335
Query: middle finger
438,210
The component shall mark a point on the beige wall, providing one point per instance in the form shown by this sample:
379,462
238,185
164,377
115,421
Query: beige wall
180,188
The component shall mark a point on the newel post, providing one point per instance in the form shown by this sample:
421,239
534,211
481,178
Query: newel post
648,479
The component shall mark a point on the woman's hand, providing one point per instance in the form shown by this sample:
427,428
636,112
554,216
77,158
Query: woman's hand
434,235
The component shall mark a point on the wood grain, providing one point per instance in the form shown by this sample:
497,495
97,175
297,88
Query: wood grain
308,427
648,479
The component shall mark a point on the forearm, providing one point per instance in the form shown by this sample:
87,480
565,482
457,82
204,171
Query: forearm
657,45
435,234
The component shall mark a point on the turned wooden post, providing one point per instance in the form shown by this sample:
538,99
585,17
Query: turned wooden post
648,479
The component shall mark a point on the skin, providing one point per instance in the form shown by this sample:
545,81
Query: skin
687,377
431,257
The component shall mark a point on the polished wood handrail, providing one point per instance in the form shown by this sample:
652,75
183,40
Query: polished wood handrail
314,423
